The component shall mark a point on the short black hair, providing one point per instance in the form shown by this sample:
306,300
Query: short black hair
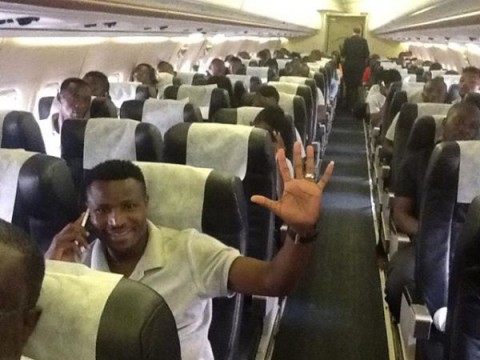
269,91
357,30
472,70
34,263
275,117
111,170
101,77
391,76
72,80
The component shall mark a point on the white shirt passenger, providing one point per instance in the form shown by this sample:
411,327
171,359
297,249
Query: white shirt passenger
375,99
188,269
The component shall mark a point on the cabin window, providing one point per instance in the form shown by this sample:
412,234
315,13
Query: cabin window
9,99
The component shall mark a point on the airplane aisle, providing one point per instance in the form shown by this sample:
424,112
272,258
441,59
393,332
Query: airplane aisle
337,310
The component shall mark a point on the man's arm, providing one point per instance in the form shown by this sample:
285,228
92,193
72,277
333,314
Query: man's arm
299,208
404,215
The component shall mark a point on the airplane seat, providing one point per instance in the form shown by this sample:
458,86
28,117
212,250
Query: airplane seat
259,71
320,81
240,85
294,106
213,202
142,92
37,194
453,94
112,317
90,142
44,107
409,114
463,317
244,151
19,130
209,98
161,113
122,91
451,183
305,92
190,78
101,108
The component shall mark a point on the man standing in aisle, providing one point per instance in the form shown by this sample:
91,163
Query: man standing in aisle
355,52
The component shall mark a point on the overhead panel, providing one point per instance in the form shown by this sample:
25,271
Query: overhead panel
128,17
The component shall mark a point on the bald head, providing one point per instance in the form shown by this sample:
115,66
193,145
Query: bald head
462,123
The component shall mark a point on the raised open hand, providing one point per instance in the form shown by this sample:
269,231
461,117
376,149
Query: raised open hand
301,202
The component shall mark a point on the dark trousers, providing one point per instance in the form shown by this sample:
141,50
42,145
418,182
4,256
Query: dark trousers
400,272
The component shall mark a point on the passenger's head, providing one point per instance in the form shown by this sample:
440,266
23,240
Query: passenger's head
145,74
165,67
469,81
22,268
244,55
74,98
435,66
117,200
390,76
472,98
263,56
462,123
98,83
273,119
217,67
235,65
435,91
357,30
266,95
255,84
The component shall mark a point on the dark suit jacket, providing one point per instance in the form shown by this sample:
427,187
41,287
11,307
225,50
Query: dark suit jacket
355,51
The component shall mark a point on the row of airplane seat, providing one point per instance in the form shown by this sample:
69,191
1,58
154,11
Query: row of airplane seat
429,152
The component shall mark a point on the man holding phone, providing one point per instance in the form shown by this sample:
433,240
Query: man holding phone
188,268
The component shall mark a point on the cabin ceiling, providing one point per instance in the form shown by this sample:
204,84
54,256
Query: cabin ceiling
438,21
142,17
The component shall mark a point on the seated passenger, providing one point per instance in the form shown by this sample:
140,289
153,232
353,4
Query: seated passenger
462,123
263,56
165,67
273,120
188,268
434,91
469,81
236,66
22,268
217,68
376,96
100,87
267,96
145,74
74,103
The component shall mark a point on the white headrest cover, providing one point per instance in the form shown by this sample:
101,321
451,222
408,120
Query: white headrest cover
11,161
451,79
199,95
169,185
3,114
186,78
293,79
436,73
387,65
163,113
246,114
258,71
122,91
219,146
243,78
282,63
72,300
432,109
107,139
286,87
414,95
286,103
468,179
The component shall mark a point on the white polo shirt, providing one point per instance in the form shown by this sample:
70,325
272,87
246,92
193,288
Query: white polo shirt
188,269
375,99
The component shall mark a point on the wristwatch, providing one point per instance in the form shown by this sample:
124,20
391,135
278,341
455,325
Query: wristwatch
299,239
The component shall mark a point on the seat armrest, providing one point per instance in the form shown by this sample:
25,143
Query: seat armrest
415,319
